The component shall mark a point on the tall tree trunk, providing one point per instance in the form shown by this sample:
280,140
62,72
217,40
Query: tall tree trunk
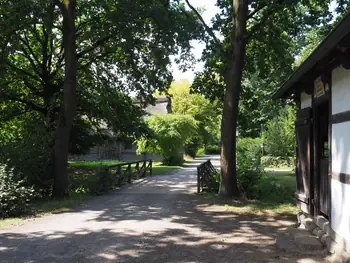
67,111
233,78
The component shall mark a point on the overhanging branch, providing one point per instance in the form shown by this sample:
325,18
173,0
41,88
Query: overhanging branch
257,26
94,46
255,11
207,28
30,104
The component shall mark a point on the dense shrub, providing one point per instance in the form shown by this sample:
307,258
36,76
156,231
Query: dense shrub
212,149
200,151
15,195
96,184
270,189
25,148
249,170
277,162
279,138
169,135
192,145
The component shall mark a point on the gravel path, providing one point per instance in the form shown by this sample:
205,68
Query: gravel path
158,219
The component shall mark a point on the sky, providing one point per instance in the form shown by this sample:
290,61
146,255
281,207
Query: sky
210,11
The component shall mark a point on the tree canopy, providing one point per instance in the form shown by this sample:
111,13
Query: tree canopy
117,47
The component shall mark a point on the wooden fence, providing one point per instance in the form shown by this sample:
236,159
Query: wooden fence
205,172
125,172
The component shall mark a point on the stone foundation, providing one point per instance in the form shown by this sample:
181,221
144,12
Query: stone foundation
320,227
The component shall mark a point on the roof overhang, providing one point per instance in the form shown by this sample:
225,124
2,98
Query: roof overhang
334,46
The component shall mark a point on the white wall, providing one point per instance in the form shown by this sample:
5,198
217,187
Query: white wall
305,100
340,90
340,201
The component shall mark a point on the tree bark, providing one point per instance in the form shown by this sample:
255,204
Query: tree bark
67,111
233,78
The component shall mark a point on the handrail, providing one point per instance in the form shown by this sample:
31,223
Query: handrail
131,172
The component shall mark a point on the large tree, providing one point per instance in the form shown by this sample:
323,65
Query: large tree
66,60
256,36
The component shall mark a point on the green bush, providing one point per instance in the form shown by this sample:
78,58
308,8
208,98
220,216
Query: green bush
249,170
192,146
277,162
15,195
279,138
270,189
169,135
96,184
212,149
200,151
25,148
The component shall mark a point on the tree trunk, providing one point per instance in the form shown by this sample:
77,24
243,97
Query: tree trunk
67,111
233,77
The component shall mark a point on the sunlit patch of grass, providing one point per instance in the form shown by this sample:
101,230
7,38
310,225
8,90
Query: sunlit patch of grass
91,164
159,169
278,203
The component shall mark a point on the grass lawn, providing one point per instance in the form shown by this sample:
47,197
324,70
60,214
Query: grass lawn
91,164
276,198
157,167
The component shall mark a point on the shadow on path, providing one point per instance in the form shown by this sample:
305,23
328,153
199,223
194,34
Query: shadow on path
157,220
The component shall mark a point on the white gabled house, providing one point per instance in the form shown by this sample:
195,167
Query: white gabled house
321,86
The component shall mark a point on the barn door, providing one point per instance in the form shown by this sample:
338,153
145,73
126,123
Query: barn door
303,166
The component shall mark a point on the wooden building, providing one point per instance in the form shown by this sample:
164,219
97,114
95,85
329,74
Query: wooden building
321,86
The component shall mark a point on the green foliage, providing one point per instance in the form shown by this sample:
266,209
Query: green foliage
279,138
206,114
200,151
25,148
270,54
277,187
192,145
277,162
14,194
212,149
121,47
169,135
249,170
249,153
97,183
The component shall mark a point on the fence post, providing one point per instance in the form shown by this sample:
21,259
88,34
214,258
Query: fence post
150,171
129,173
120,176
144,168
137,168
198,180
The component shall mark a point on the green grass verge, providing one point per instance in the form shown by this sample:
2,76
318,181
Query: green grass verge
157,167
276,197
91,164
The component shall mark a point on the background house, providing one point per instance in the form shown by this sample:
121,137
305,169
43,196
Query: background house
126,151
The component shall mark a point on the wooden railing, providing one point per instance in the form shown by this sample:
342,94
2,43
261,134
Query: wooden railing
125,172
205,173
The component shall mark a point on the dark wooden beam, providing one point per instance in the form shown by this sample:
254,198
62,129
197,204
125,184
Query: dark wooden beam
340,117
341,177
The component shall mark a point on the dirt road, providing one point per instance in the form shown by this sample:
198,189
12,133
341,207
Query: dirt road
159,219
